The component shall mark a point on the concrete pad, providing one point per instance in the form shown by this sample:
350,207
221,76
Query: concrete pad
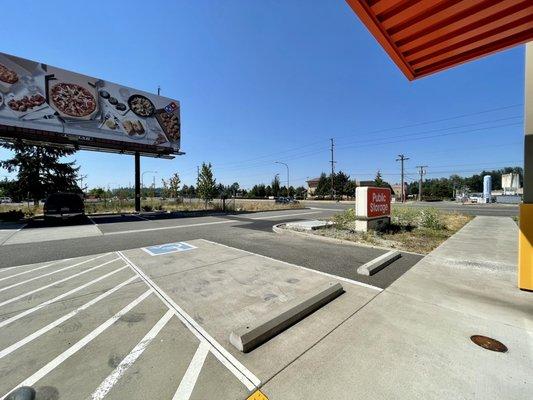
33,235
400,348
257,331
475,272
307,225
222,288
378,263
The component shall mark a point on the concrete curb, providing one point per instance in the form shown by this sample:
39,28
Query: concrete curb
378,263
283,231
249,336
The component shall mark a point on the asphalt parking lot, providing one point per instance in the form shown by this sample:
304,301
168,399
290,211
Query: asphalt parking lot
155,322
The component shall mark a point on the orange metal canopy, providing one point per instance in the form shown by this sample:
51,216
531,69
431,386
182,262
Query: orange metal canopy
426,36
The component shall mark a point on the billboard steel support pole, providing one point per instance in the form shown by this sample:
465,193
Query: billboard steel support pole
137,182
525,242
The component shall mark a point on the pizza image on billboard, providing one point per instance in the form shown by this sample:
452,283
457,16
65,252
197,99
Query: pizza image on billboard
43,103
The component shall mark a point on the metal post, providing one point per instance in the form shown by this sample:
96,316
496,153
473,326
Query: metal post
137,182
525,243
288,183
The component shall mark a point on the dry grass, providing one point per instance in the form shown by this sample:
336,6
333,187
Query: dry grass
149,204
416,230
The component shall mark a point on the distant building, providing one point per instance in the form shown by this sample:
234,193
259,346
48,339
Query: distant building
397,191
510,183
312,184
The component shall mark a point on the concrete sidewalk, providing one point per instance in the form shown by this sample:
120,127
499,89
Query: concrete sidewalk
413,339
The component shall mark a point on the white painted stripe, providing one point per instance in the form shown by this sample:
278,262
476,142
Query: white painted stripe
50,273
57,298
79,345
286,215
28,271
170,227
193,371
59,321
29,265
54,283
240,371
329,209
340,278
128,361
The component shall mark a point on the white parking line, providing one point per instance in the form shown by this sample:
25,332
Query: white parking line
193,371
240,371
128,361
50,273
28,271
54,283
57,298
170,227
299,266
79,345
286,215
59,321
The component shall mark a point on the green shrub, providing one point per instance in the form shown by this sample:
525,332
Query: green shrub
405,217
430,218
345,220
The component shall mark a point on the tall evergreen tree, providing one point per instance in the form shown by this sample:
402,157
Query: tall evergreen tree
275,186
206,188
379,179
40,171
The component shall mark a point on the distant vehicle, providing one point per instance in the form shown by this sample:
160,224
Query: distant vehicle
64,206
286,200
6,200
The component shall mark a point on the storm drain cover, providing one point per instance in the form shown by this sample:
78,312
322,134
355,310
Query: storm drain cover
489,343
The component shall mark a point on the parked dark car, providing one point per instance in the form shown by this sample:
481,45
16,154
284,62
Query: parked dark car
64,206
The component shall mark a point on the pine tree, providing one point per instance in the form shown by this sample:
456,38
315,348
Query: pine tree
275,186
379,180
39,170
206,185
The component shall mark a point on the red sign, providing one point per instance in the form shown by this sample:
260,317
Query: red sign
378,202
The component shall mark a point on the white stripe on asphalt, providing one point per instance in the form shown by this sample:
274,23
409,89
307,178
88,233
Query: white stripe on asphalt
328,209
286,215
57,298
128,361
240,371
340,278
170,227
50,273
79,345
55,283
28,271
193,371
52,325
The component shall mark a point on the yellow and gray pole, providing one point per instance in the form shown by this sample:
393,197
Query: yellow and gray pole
525,244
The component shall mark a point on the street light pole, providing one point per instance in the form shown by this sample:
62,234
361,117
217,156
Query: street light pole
288,183
142,178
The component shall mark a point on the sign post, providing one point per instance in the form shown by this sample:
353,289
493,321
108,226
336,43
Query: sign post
372,208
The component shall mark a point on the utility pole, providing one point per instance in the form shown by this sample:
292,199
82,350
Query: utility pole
402,158
332,170
81,178
422,171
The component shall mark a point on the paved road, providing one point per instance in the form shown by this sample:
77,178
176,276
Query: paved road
252,232
495,210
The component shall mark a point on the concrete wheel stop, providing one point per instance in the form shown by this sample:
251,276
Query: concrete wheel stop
249,336
377,264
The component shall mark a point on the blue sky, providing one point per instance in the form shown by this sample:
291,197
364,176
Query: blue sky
265,81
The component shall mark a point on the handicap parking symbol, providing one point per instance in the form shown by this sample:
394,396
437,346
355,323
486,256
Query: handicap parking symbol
168,248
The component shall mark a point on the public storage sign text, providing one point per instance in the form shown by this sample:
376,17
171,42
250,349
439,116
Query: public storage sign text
378,202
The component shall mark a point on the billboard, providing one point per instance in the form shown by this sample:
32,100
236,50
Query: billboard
40,103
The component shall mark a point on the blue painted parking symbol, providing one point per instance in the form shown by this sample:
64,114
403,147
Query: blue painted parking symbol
168,248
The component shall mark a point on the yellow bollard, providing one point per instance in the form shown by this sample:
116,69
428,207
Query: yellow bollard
525,248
